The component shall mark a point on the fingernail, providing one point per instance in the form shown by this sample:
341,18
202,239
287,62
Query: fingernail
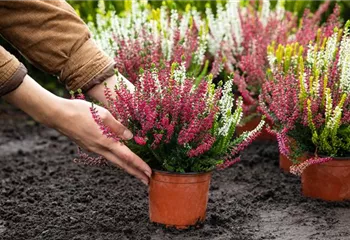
127,134
148,174
144,182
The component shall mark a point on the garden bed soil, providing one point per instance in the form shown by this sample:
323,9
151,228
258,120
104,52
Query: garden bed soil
45,195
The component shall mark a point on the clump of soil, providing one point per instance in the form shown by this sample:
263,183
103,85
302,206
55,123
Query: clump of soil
44,195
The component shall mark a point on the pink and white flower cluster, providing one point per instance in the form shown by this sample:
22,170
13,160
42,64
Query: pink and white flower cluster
185,127
144,37
239,36
307,96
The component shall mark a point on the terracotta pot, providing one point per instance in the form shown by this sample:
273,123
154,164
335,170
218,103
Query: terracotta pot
178,200
285,163
250,125
328,181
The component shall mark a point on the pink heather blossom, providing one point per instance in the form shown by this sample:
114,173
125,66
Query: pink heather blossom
105,129
245,143
86,159
250,62
296,107
174,120
203,147
145,52
283,143
140,140
298,169
228,163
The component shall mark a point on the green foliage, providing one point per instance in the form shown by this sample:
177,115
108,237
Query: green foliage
331,139
88,9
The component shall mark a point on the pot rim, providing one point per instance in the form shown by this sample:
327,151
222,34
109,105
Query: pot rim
183,174
334,158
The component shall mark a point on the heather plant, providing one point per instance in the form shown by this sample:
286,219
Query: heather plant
239,36
142,37
178,126
307,97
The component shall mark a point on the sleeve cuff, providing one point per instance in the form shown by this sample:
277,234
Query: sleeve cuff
87,67
99,78
14,81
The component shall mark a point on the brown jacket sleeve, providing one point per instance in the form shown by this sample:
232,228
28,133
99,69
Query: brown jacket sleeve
52,37
12,72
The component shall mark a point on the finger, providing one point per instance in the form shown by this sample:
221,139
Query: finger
126,155
119,129
125,166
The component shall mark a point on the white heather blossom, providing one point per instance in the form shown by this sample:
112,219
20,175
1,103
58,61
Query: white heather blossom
329,107
323,57
271,58
199,55
316,87
156,80
337,112
109,25
216,32
344,62
255,131
180,74
197,19
303,76
226,105
310,57
331,48
184,23
280,10
345,74
265,12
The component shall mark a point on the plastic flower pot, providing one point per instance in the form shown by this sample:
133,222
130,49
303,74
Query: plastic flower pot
328,181
178,200
250,125
285,163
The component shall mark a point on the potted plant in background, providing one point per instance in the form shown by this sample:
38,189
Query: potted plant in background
184,132
143,37
307,96
279,92
238,39
279,98
326,112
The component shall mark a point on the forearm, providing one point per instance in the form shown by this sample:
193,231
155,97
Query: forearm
73,118
97,92
39,103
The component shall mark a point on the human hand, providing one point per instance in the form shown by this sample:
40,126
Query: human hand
77,123
73,119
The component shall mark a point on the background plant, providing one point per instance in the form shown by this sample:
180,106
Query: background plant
88,11
143,37
239,36
313,106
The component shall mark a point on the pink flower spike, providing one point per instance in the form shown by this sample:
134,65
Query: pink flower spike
140,140
298,169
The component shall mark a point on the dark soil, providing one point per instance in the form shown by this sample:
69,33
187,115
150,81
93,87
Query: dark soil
44,195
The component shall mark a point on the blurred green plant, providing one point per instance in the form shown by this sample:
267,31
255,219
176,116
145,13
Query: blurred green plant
88,9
